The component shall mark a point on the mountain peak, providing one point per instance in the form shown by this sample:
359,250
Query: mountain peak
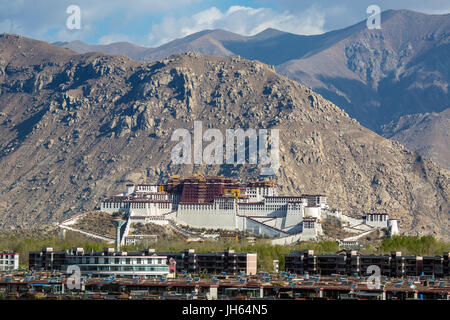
268,33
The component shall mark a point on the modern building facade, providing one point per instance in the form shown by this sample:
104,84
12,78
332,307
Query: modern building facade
47,259
101,263
121,264
9,261
352,262
146,263
228,261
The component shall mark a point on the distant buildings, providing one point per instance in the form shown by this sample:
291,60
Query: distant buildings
352,262
218,202
9,261
148,263
381,220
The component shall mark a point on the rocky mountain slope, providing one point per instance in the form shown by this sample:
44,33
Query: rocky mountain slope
206,42
426,133
118,48
376,76
77,127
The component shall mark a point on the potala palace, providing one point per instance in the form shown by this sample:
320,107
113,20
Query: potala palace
224,203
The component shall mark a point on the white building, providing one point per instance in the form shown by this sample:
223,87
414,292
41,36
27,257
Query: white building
120,264
377,220
381,221
222,203
255,207
257,192
393,227
9,261
310,229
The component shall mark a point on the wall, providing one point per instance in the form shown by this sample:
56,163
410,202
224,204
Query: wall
312,212
378,223
294,215
393,227
258,228
106,207
208,219
251,263
287,240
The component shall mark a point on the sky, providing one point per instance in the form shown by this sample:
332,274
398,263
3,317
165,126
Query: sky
155,22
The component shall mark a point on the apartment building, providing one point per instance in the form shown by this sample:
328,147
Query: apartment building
146,263
228,261
105,263
301,262
100,263
352,262
46,260
9,261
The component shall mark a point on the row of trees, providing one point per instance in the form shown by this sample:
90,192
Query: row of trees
265,251
71,240
413,245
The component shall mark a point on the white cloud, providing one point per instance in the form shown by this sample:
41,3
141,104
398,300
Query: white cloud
341,14
46,19
242,20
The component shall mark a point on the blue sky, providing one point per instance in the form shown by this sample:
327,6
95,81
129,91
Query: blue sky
152,22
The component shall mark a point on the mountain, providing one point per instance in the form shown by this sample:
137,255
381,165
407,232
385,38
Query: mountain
119,48
426,133
77,127
376,76
207,42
